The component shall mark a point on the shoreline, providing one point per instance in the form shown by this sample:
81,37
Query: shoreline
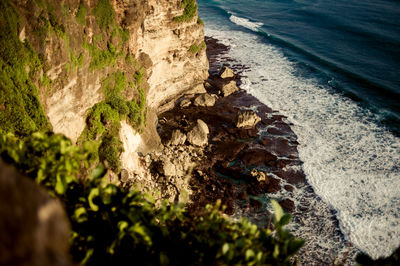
246,167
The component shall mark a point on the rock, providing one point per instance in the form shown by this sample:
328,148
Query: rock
177,138
168,167
226,72
199,134
289,188
204,100
259,175
228,150
185,103
34,228
270,185
207,85
273,185
278,145
258,157
229,88
256,204
287,205
247,119
292,176
124,175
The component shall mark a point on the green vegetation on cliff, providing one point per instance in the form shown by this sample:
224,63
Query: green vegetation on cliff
81,14
194,48
104,13
103,120
112,226
20,109
189,11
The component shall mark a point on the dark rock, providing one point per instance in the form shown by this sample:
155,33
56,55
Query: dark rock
242,195
275,131
255,204
228,150
287,205
282,163
279,146
289,188
292,176
273,185
258,157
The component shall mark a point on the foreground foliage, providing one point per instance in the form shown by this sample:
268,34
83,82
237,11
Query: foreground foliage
114,226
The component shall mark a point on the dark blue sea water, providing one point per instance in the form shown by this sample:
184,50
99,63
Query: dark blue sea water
333,68
353,45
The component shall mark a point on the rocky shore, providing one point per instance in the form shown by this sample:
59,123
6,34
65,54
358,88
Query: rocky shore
224,144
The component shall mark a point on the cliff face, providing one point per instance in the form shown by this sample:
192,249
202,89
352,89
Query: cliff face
82,42
175,69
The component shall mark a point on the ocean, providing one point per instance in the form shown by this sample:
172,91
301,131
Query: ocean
333,68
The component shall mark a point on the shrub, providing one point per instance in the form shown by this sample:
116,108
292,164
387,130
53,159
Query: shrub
110,150
105,14
190,9
196,48
111,226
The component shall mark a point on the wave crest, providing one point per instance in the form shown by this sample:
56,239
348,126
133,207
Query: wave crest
244,22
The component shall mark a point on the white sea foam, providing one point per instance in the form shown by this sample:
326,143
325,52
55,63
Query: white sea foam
244,22
352,164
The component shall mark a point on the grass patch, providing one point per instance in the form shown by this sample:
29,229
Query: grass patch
196,48
102,58
20,109
200,21
81,14
190,9
105,14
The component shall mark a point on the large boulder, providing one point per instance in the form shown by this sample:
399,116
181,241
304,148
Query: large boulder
205,100
247,119
229,88
198,136
177,138
226,72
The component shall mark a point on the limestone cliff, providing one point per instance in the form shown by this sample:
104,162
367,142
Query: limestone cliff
106,63
72,39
